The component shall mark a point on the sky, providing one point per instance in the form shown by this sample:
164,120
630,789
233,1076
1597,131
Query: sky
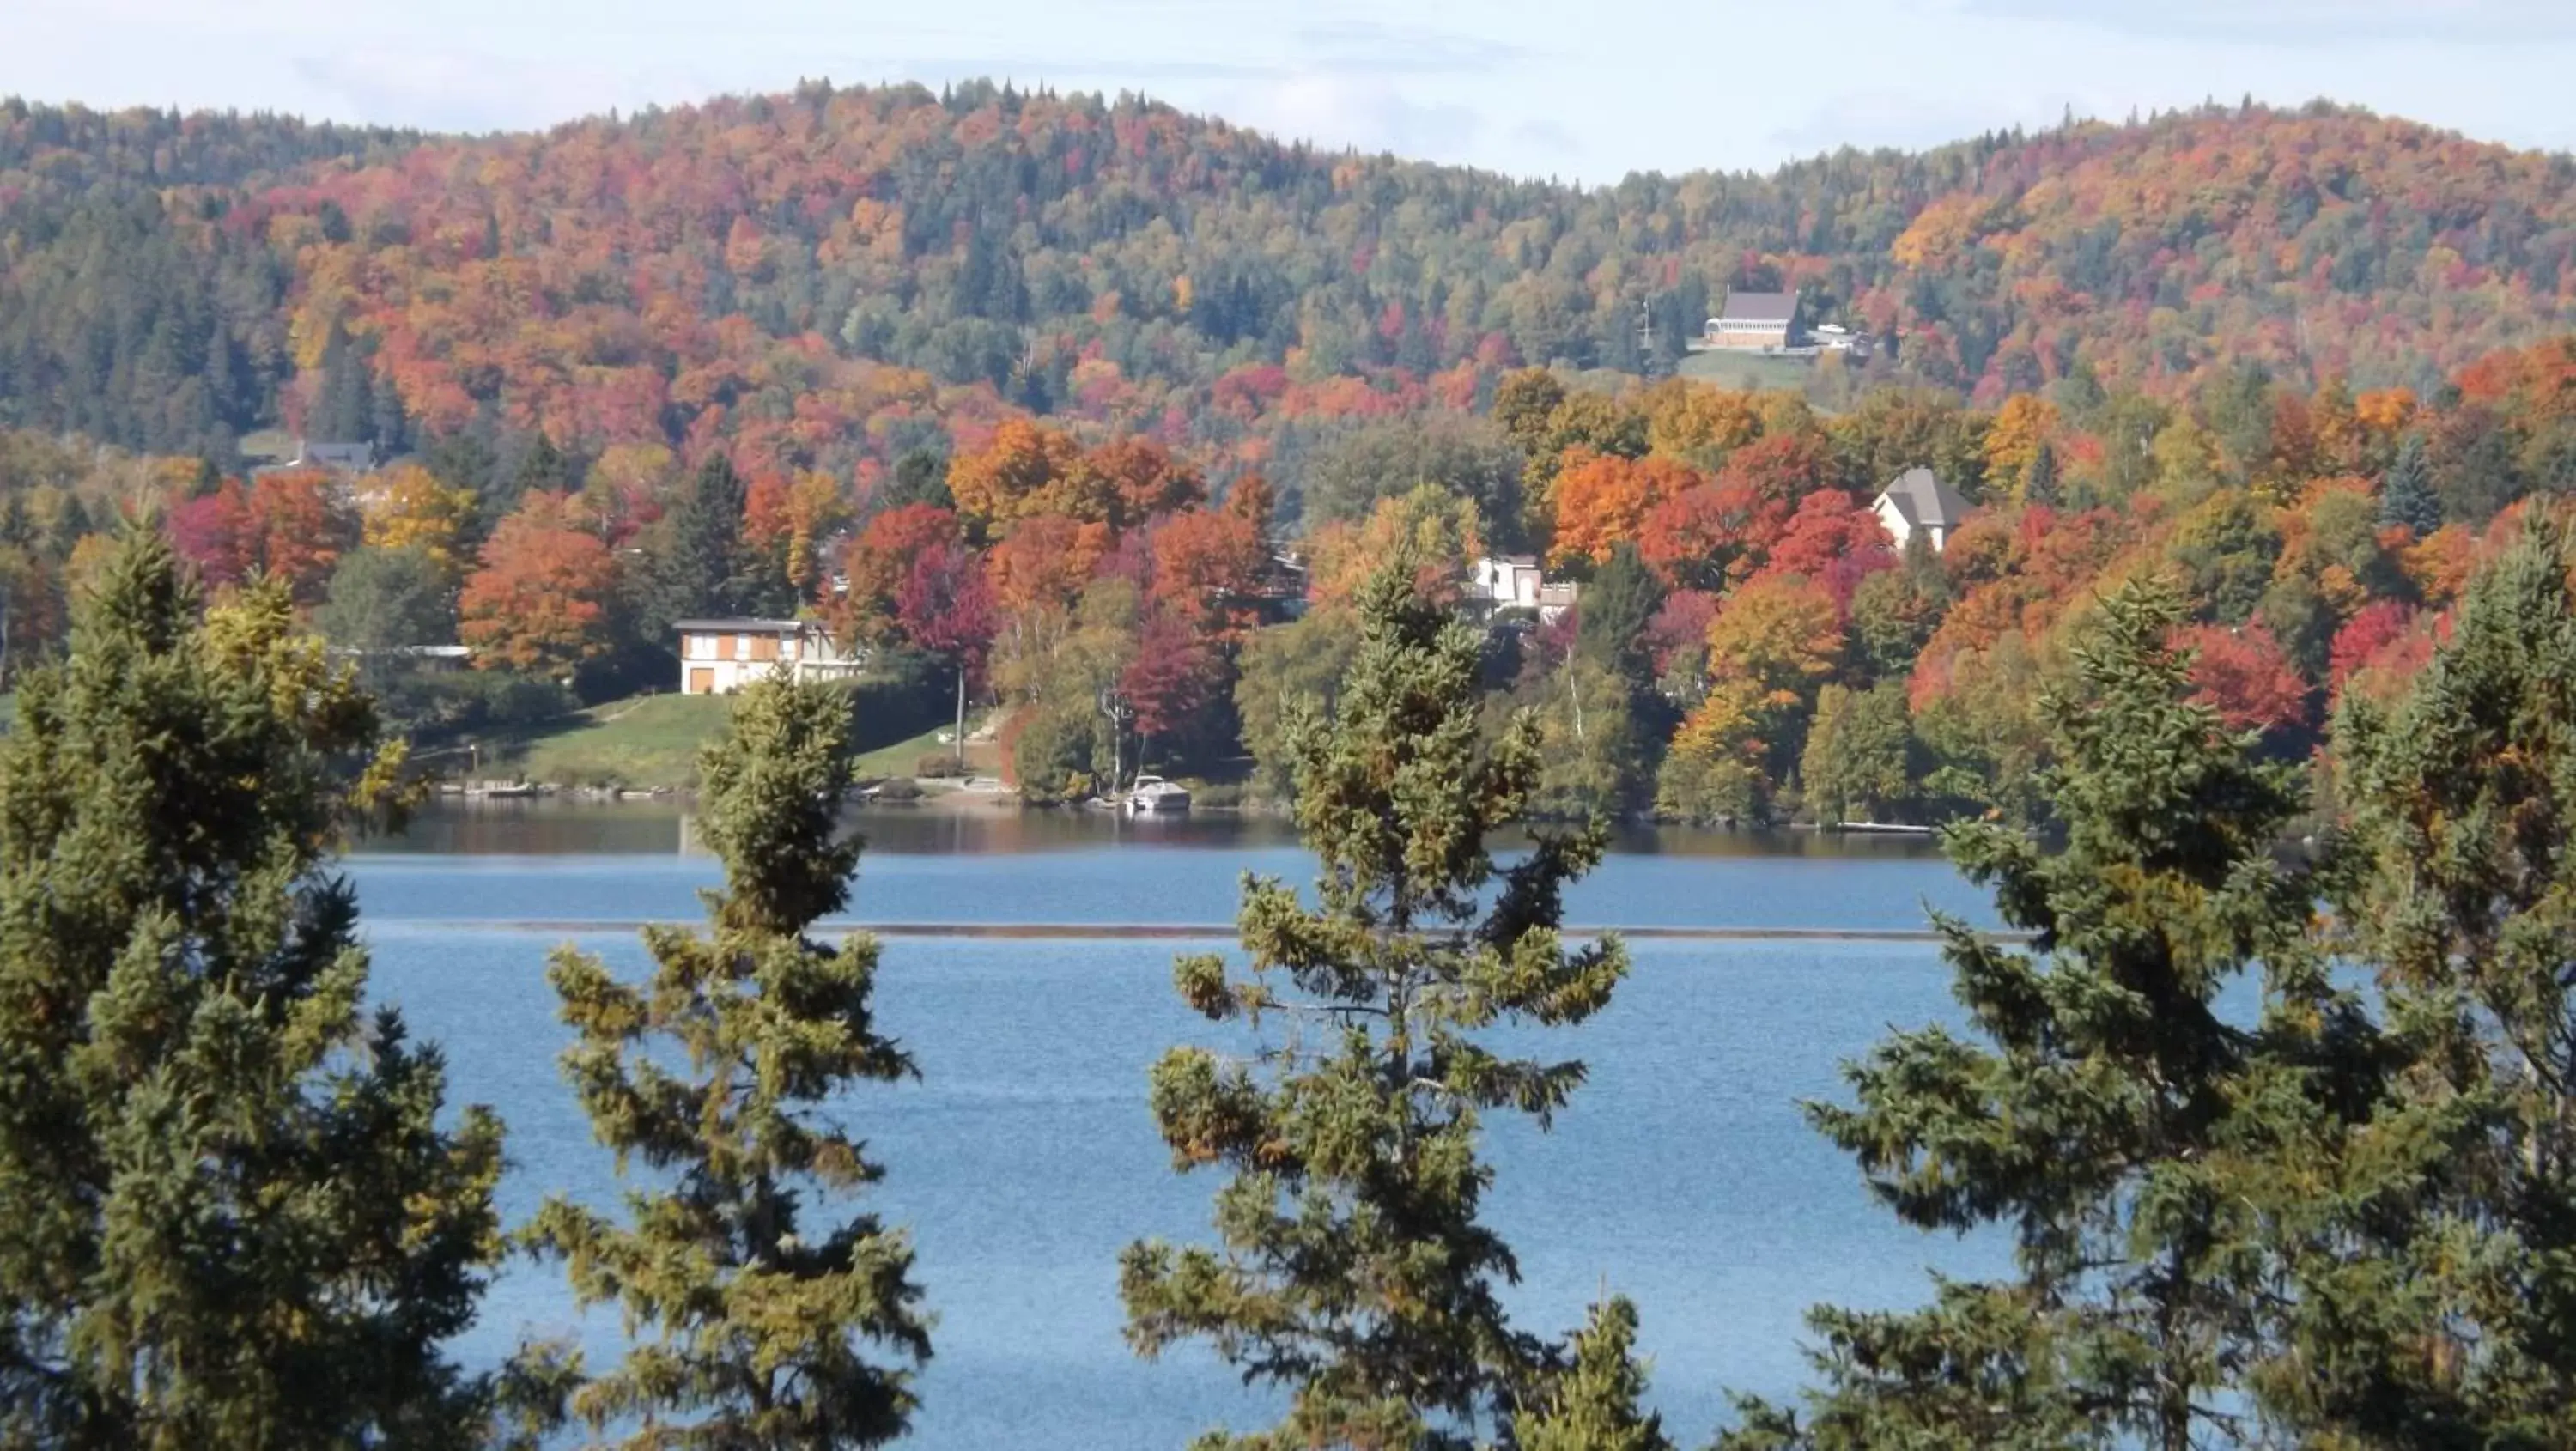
1585,91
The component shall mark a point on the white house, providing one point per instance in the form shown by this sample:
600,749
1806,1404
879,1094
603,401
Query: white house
1917,500
1515,582
719,657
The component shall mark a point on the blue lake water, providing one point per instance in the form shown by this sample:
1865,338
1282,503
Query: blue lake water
1025,1158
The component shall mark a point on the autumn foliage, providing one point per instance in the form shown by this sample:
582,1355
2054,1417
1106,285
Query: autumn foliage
539,602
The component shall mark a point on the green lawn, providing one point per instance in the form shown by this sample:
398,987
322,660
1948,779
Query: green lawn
1747,370
650,741
900,758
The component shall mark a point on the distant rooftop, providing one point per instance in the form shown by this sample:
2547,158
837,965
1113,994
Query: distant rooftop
738,627
1779,307
1925,501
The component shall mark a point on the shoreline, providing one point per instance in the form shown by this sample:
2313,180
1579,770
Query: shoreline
952,798
1200,931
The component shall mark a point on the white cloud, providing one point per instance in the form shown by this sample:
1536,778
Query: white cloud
1870,119
1362,111
2309,22
462,90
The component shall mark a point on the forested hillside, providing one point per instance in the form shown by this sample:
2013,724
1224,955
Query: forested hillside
1081,399
817,274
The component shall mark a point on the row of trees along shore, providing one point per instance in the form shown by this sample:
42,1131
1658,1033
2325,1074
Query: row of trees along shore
1750,643
2286,1146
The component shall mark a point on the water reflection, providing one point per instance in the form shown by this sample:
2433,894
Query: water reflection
578,828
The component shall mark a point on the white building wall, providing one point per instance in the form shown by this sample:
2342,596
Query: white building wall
1901,531
1894,518
720,664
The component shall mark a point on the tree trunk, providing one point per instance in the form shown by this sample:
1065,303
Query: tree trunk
961,711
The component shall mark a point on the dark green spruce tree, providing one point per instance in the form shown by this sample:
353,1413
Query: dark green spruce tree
2105,1114
2437,1298
229,1216
1610,624
1353,1269
2407,495
920,477
707,570
2040,485
751,1316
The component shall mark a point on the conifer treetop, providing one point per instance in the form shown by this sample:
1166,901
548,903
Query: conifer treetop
750,1315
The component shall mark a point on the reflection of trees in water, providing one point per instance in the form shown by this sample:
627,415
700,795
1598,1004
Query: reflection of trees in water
662,828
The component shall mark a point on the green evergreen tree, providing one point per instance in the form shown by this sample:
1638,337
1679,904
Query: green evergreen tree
469,461
342,409
721,1074
542,469
1611,621
2040,486
706,568
1354,1270
387,424
1593,1405
2407,495
920,477
2436,1302
233,1219
2123,1129
694,575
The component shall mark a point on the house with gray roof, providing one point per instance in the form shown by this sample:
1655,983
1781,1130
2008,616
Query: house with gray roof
1917,501
1754,321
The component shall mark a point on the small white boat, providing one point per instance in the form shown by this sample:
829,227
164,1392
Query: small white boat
1154,796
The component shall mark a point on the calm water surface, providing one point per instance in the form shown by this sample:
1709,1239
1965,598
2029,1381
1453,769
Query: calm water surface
1025,1158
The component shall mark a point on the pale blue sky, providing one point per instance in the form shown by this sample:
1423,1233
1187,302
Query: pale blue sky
1586,90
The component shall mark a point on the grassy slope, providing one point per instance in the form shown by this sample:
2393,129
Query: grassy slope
1747,370
652,741
902,757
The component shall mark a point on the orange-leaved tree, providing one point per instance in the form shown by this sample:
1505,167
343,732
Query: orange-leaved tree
1139,479
305,523
1026,469
1783,635
1207,566
540,603
876,562
1603,500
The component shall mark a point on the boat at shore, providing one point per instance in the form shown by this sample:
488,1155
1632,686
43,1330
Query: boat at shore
1154,796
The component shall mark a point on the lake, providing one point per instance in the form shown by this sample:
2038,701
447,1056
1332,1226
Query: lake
1025,1158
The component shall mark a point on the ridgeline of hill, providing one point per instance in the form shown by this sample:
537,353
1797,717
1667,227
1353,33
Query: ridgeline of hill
826,276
